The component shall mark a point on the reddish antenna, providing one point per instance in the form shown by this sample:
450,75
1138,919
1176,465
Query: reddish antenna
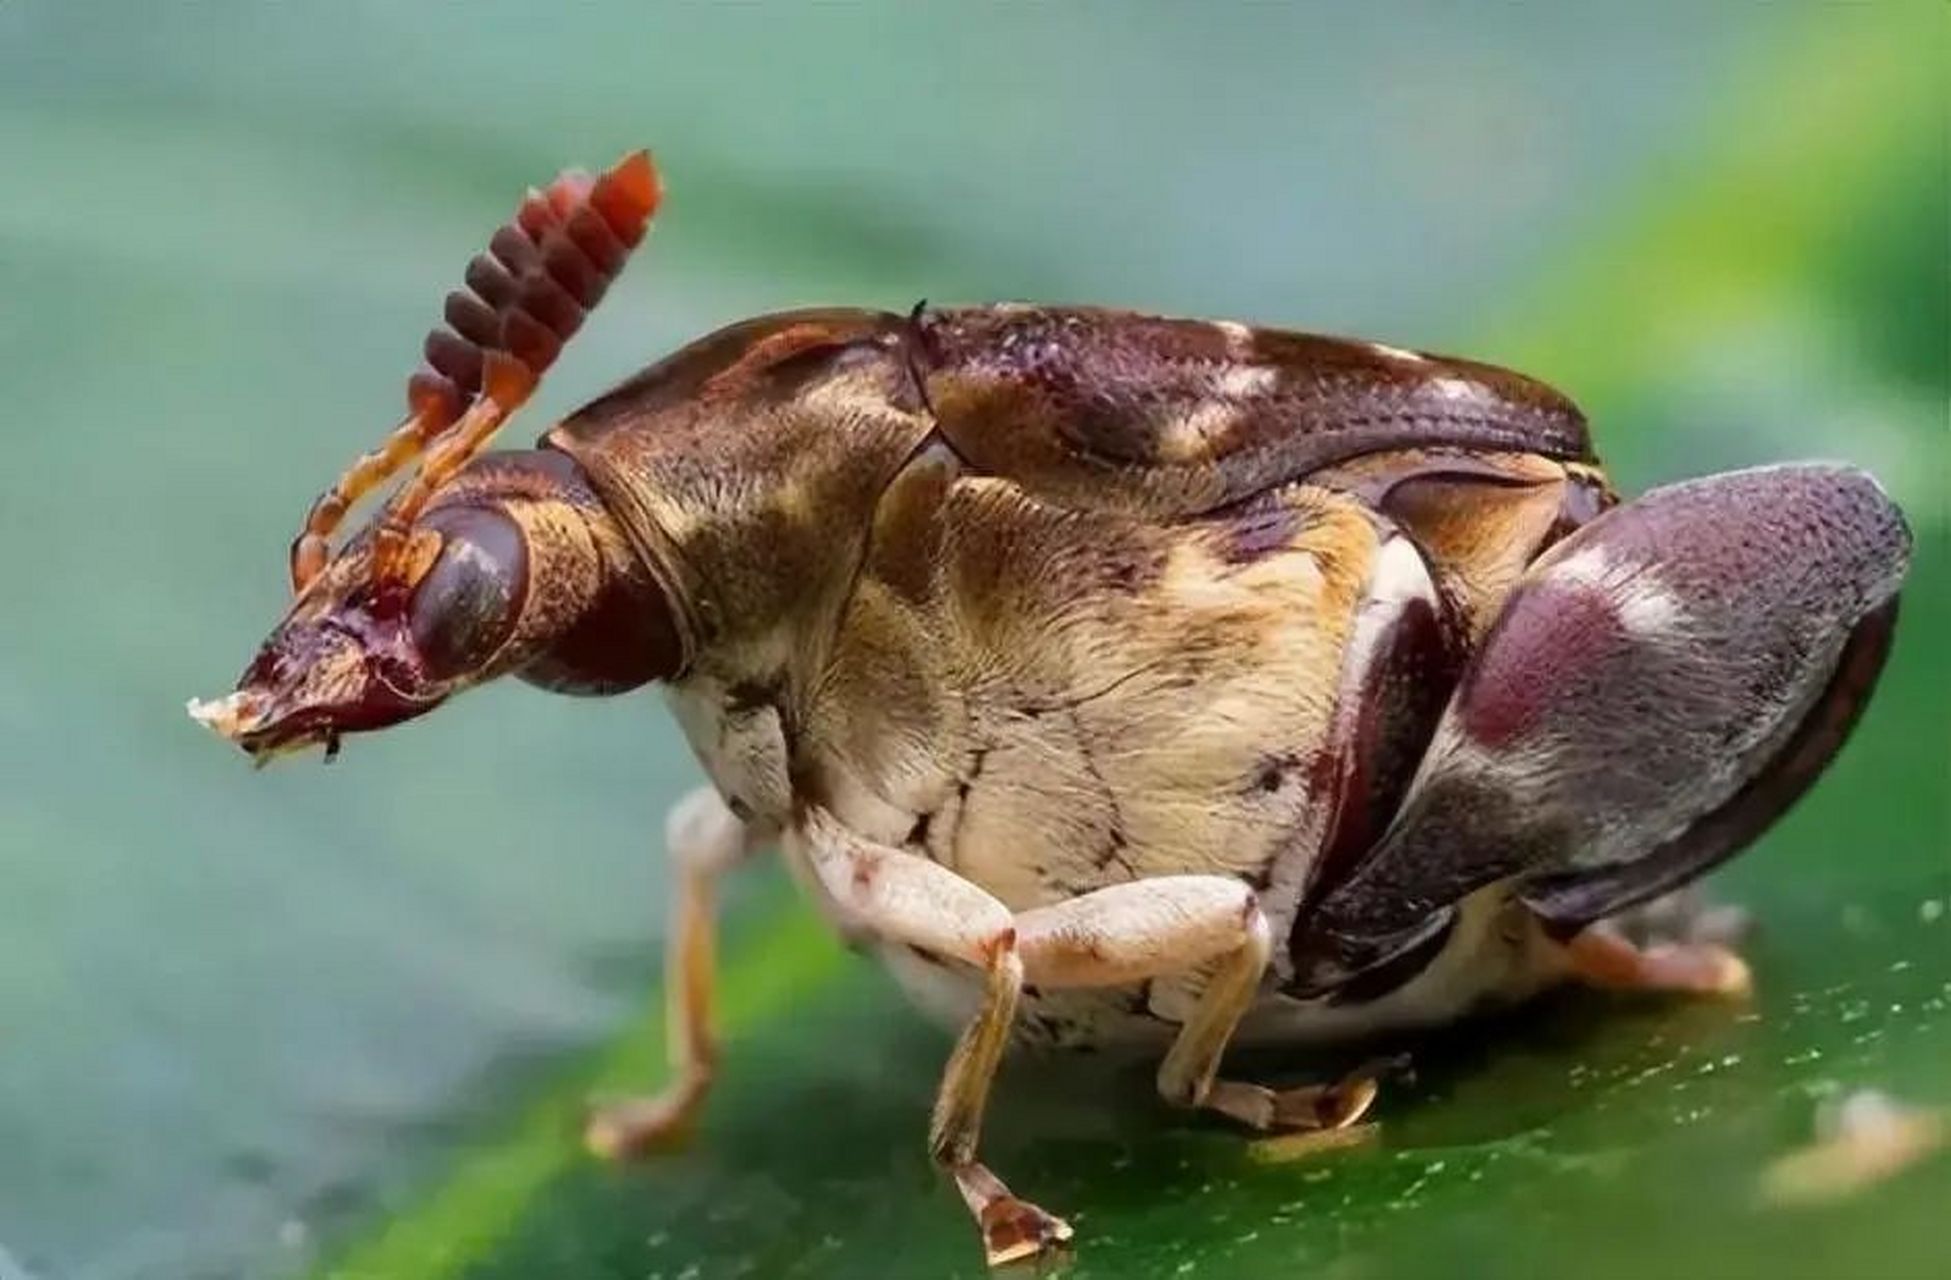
543,273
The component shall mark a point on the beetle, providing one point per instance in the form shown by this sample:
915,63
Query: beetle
1119,680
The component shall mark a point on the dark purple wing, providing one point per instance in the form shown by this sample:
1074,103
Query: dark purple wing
1660,687
1165,417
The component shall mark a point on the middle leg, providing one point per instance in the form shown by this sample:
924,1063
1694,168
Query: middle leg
1173,925
902,898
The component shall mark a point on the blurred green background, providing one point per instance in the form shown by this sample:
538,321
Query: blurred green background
340,1022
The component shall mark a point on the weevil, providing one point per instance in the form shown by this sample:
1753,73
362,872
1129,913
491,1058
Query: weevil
1118,680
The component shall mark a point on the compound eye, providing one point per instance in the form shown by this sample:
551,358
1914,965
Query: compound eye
465,607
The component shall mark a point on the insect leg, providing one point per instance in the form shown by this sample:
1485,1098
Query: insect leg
1600,956
704,839
902,898
1174,925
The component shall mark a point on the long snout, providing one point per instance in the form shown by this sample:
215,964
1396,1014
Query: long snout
231,716
247,718
309,685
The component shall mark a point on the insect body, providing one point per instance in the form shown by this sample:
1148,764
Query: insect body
1118,679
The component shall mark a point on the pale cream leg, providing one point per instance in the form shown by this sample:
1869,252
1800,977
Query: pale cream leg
1171,925
704,839
903,898
1602,957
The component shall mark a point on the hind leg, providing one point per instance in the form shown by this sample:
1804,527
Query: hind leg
1601,956
1679,943
1172,925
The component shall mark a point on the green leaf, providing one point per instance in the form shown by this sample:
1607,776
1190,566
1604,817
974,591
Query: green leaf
344,1023
1613,1137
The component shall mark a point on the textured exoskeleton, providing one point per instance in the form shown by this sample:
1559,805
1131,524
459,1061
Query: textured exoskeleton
1130,680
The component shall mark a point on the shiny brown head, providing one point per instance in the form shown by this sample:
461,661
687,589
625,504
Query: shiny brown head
349,657
477,566
516,569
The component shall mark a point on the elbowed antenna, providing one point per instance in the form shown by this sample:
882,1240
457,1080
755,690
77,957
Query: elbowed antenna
543,273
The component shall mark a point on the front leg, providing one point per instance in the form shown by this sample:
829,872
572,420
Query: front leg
902,898
704,839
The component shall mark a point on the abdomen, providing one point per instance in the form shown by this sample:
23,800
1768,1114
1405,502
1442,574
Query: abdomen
1050,701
